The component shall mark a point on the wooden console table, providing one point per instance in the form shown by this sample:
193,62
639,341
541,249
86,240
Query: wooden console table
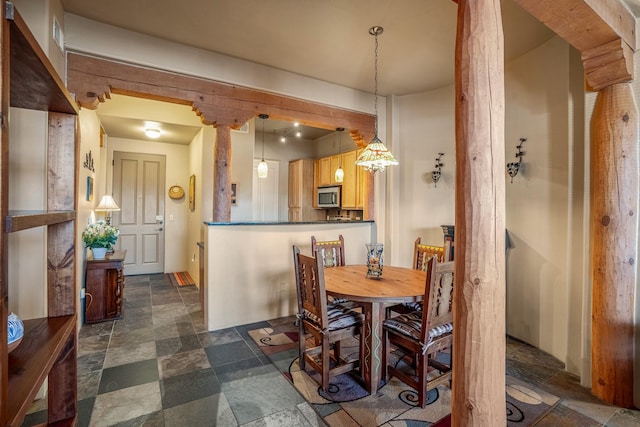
104,288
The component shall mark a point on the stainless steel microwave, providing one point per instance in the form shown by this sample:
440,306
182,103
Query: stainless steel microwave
328,197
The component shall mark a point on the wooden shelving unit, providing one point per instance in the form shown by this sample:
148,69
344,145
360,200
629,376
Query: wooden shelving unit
49,346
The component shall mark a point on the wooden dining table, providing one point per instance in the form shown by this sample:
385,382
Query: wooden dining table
397,285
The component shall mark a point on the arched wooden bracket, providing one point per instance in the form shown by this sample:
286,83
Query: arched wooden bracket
609,64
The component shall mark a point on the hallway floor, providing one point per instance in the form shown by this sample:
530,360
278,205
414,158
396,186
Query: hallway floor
159,366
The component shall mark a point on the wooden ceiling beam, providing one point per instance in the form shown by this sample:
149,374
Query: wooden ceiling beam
604,31
585,24
92,80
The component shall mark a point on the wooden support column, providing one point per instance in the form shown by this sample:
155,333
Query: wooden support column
222,175
479,293
614,234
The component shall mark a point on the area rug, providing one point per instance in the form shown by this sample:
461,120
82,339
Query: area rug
182,278
347,402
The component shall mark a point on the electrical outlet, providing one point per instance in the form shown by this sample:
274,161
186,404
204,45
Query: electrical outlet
283,285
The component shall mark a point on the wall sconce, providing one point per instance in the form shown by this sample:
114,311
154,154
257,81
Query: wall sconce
514,167
437,173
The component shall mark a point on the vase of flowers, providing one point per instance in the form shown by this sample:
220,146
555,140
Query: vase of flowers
100,237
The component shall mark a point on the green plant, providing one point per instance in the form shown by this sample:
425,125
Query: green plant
100,235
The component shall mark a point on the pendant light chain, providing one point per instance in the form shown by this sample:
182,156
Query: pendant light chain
377,30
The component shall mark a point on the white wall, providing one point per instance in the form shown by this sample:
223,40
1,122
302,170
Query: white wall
178,250
544,205
238,294
426,128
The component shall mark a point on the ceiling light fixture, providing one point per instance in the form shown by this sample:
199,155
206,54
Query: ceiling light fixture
376,156
299,133
339,172
263,169
152,132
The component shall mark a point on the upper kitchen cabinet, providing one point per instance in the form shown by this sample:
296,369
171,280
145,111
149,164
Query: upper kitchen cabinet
350,182
354,182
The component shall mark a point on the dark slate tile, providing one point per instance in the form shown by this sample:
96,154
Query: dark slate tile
187,387
560,415
35,419
154,419
222,336
102,328
243,369
129,375
177,345
85,407
90,362
226,353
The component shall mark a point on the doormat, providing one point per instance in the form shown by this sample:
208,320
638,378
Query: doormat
182,278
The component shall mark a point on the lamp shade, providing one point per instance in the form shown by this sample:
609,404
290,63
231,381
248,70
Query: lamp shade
376,156
263,169
339,175
107,204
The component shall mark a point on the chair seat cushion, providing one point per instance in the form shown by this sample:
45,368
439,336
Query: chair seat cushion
413,306
410,324
340,315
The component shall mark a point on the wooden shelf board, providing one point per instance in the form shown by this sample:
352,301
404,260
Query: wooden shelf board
35,84
31,362
22,220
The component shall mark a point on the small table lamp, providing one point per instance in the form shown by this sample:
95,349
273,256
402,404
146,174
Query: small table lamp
107,204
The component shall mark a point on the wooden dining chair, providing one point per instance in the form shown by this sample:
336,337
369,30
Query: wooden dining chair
419,336
330,251
327,323
422,255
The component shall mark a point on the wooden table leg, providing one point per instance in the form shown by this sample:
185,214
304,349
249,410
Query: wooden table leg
372,369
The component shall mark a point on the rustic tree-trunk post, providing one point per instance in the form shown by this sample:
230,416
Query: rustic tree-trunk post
222,175
614,233
479,294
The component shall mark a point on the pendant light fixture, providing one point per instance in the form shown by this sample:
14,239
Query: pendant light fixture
376,156
263,169
339,172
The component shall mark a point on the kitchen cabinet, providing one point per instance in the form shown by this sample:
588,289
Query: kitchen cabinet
362,179
302,192
350,182
49,345
354,182
104,288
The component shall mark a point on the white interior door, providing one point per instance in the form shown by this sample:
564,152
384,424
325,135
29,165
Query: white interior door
138,187
265,192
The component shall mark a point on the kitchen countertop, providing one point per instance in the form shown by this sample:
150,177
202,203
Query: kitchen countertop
211,223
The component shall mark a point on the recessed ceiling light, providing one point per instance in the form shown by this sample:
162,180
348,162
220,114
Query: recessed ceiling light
152,133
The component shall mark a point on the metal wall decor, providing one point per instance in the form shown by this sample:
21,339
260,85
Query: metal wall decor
514,167
88,162
437,173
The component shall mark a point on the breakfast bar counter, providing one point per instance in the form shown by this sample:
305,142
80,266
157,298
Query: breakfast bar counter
248,268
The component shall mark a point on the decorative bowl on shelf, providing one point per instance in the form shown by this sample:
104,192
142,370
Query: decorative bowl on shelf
15,331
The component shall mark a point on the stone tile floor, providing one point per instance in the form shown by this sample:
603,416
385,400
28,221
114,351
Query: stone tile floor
159,366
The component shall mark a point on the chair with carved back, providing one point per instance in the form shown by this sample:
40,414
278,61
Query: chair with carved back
421,336
327,323
331,251
422,255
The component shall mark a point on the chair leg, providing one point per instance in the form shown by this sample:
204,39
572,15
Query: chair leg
325,357
301,345
336,351
423,363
